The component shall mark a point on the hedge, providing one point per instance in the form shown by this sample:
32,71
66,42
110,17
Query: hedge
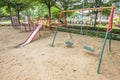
100,34
116,31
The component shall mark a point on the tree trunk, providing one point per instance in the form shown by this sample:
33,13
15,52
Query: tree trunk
18,14
65,19
49,9
96,14
97,4
49,14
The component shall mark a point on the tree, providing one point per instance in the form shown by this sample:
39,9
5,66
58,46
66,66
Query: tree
16,6
97,4
21,5
7,4
49,4
67,5
55,12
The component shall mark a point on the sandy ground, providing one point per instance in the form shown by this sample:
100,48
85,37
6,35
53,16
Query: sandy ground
40,61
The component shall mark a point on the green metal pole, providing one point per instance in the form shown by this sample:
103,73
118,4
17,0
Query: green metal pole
54,37
101,54
110,42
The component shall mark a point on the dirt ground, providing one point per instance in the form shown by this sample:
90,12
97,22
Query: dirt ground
40,61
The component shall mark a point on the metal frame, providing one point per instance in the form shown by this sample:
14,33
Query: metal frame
109,29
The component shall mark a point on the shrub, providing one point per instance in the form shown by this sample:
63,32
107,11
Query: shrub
104,23
93,33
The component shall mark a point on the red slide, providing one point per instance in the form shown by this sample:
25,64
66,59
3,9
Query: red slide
32,35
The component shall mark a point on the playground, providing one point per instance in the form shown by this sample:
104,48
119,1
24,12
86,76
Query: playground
39,61
59,40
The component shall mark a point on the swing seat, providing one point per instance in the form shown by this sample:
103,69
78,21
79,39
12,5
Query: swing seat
89,48
69,43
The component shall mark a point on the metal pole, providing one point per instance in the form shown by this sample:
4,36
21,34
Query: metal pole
81,31
102,51
54,37
110,41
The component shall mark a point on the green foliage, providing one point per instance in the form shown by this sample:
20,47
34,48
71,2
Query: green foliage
49,4
91,28
55,12
117,21
16,5
93,33
3,10
104,23
39,10
113,1
2,4
68,4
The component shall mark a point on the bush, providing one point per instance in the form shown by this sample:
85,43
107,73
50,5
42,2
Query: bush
102,29
100,34
104,23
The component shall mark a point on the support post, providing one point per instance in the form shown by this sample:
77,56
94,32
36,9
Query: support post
81,28
54,37
109,29
101,53
110,40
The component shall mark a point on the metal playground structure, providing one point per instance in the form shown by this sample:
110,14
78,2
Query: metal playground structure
63,22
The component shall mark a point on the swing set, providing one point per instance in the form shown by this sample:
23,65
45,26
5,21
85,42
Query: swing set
87,47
